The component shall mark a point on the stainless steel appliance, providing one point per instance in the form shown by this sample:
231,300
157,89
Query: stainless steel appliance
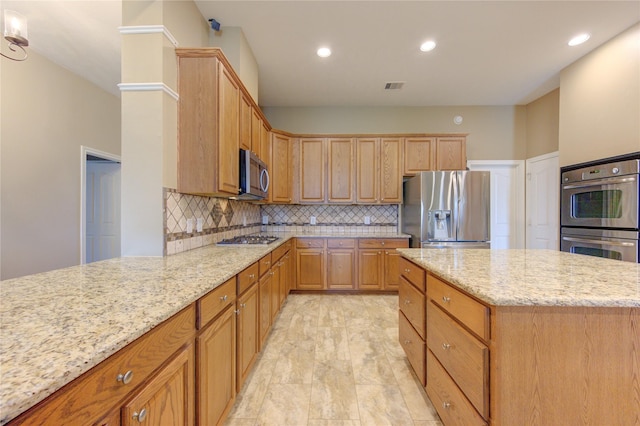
249,240
254,177
447,209
600,209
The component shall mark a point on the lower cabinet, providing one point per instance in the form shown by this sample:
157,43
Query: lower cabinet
166,399
378,263
247,333
341,264
310,264
265,292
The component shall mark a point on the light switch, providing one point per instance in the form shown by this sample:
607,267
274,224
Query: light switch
199,223
312,220
190,225
367,220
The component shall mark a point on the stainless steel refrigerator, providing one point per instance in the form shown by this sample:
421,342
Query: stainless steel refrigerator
447,209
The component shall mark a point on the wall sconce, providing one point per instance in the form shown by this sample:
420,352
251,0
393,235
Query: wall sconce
15,32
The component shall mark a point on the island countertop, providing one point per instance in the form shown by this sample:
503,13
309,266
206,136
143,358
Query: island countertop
56,325
534,277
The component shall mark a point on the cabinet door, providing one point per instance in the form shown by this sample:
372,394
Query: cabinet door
275,291
228,125
390,170
265,145
256,133
310,269
419,155
247,333
168,398
283,265
216,364
370,264
391,270
264,296
245,122
451,153
280,186
312,170
367,172
341,269
341,170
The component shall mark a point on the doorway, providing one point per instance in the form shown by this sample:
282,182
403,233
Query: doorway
543,202
100,205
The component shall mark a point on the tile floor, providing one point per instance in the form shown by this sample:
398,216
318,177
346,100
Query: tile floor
333,360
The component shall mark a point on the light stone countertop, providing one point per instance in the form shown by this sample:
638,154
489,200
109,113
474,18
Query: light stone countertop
534,277
56,325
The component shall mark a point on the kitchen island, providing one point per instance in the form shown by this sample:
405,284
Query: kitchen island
59,325
526,336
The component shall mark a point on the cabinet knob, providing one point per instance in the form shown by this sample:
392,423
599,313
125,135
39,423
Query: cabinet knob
407,270
379,252
140,416
243,305
237,311
446,346
125,378
252,276
406,342
446,299
407,302
223,298
446,405
382,242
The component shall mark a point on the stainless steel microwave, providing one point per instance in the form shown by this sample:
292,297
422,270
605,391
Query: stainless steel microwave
254,177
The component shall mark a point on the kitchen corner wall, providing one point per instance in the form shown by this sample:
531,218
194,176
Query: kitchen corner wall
223,218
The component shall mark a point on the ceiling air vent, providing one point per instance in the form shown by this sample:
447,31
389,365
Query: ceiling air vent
394,85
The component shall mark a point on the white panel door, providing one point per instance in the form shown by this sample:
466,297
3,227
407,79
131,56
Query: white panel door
102,211
543,198
507,201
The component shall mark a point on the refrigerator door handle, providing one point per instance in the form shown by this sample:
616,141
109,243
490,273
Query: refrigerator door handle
456,207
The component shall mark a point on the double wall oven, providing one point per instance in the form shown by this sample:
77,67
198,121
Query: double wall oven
600,213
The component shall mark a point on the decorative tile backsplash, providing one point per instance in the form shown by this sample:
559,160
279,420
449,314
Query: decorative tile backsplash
223,218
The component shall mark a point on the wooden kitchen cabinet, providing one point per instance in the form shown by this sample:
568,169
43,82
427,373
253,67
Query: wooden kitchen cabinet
265,145
280,169
341,172
168,398
216,354
412,316
310,264
245,138
247,331
312,170
370,269
256,134
379,170
265,296
341,264
391,268
419,154
378,263
391,170
209,123
451,153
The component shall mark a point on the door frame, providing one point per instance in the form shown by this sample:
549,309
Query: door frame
84,150
519,165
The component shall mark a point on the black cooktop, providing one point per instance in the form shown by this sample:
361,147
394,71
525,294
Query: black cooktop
249,240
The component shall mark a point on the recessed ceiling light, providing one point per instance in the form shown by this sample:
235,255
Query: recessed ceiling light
579,39
324,52
428,46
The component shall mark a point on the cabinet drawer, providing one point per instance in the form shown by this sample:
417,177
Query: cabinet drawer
413,346
412,305
279,251
450,403
248,277
412,273
265,264
214,302
310,243
86,399
464,357
383,243
341,243
471,313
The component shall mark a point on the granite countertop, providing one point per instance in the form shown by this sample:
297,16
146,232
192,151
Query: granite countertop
56,325
534,277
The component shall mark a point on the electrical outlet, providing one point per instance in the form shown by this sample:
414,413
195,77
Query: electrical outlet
190,225
367,220
265,220
312,220
199,223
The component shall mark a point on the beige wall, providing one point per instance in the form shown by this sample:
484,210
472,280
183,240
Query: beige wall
47,114
495,133
600,101
542,124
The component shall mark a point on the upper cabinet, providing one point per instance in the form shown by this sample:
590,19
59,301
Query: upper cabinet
312,170
451,153
245,122
280,169
256,134
379,170
419,155
208,124
341,171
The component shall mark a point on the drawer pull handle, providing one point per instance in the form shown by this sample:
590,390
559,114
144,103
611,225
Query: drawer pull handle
446,405
407,270
140,416
446,346
125,378
252,276
407,302
224,298
446,299
382,243
406,342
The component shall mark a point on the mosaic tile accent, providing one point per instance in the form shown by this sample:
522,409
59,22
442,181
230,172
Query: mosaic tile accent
331,215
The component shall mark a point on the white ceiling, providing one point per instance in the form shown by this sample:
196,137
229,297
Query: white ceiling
488,53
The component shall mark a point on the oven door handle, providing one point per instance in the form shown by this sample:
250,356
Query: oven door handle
600,242
601,182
